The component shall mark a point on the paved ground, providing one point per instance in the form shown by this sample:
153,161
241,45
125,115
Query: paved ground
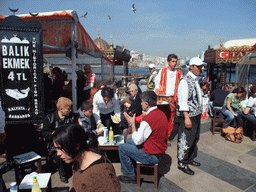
225,166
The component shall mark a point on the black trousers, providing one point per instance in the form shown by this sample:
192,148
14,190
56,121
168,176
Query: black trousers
107,122
65,169
188,139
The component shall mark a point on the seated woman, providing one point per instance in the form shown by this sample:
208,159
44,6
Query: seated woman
232,105
91,170
245,113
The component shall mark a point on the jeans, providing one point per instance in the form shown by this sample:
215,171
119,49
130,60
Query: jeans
129,151
241,117
211,108
229,117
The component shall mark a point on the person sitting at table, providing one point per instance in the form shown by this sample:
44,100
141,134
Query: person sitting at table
249,111
132,82
217,98
105,104
86,119
232,105
148,142
54,120
135,107
92,171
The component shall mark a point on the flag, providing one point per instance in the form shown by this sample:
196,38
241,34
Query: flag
224,54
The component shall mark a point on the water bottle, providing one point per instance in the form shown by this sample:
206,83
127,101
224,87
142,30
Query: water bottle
105,135
35,185
13,187
111,135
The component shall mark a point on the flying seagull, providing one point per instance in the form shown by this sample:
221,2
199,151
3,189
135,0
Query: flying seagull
133,8
109,17
84,15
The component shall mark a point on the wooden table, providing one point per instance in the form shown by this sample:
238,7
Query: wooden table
118,139
44,180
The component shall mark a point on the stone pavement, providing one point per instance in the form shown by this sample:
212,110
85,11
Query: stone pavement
225,166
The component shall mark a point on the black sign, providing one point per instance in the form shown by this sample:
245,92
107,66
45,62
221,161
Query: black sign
21,71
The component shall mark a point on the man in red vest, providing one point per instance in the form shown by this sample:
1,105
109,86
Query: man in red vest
166,87
148,143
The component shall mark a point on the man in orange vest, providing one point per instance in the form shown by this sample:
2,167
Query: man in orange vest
166,87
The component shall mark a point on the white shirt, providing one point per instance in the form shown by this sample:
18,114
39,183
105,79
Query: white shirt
2,120
99,106
152,75
143,132
170,85
183,93
252,104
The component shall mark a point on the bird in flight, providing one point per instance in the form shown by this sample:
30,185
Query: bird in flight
84,15
109,17
133,8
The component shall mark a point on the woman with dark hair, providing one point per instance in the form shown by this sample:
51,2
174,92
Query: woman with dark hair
232,104
105,104
91,170
249,111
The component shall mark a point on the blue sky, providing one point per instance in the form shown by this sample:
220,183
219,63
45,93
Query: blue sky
159,27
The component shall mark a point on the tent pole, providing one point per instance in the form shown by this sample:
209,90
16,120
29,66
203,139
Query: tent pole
74,38
102,69
248,71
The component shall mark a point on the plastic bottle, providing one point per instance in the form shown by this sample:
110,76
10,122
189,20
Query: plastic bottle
111,135
35,186
105,135
13,187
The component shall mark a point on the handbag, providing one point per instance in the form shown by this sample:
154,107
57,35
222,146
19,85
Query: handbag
232,134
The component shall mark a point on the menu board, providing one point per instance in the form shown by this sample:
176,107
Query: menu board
21,73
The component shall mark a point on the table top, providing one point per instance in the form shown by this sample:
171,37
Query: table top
118,139
42,178
26,157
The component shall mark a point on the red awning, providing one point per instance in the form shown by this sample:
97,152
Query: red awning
57,32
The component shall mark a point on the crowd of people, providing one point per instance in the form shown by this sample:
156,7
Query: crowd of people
169,98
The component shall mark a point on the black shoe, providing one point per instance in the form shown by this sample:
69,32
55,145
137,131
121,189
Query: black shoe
186,169
63,179
126,179
194,163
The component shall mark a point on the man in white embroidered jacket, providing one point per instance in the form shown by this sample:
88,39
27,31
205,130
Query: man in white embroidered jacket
189,114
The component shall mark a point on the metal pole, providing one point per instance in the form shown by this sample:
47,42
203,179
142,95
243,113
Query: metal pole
248,71
74,37
102,69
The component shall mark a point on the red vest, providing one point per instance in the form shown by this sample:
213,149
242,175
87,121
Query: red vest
163,82
157,141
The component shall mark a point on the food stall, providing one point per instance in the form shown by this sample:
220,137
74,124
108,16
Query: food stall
222,59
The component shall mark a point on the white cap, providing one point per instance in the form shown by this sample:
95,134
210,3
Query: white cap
151,66
196,61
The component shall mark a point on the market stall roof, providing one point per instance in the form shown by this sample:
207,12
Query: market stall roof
240,42
230,52
57,30
237,43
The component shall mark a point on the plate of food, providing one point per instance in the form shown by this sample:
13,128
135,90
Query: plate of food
101,127
116,119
